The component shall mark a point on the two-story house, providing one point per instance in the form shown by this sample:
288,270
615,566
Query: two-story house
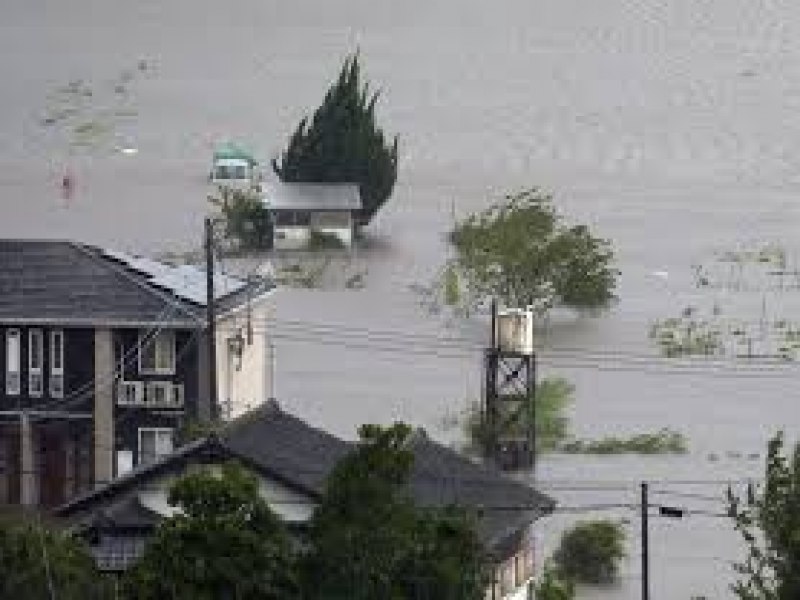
103,358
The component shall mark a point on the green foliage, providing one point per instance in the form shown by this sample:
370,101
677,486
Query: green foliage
520,252
343,144
687,337
769,522
35,560
553,394
194,429
553,586
368,540
247,222
322,240
226,543
664,441
452,290
590,552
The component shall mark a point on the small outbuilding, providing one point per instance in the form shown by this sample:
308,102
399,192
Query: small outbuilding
234,165
309,214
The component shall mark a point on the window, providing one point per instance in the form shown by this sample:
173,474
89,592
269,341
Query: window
35,362
57,363
12,362
154,442
124,462
292,218
157,353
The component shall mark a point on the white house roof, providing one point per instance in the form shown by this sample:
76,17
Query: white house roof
311,196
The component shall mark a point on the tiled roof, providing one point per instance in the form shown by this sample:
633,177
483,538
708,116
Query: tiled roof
311,196
61,282
286,448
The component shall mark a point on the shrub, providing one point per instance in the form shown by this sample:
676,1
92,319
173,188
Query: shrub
590,552
554,586
322,240
247,222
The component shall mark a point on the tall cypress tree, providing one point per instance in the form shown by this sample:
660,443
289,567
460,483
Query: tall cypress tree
343,144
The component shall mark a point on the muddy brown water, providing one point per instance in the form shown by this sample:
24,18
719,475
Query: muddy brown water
668,127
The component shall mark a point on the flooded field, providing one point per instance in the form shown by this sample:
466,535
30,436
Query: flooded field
668,127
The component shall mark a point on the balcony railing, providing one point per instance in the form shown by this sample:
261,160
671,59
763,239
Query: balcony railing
150,394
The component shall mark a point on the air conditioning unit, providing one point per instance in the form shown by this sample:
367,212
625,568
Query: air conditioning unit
163,394
130,393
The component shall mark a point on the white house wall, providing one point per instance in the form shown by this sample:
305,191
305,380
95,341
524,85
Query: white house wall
242,389
290,506
296,237
291,238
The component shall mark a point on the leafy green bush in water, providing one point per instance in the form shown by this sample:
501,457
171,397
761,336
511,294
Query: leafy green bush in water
554,586
322,240
664,441
590,552
552,397
247,222
452,293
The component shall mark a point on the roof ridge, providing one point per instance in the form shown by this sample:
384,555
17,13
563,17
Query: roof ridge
143,284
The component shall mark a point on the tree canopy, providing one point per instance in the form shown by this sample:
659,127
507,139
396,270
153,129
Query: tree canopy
590,552
368,539
769,522
520,252
343,144
225,543
553,586
39,563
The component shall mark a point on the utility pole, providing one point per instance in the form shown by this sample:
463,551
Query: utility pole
210,321
645,546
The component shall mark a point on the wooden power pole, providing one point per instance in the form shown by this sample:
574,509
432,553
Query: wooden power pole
211,321
645,546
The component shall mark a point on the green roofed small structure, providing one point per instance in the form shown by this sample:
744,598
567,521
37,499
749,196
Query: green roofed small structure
234,165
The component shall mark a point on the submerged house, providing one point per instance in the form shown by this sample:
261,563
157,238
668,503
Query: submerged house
299,210
234,166
292,460
103,358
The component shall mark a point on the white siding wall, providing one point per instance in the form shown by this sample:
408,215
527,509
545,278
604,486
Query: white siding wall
242,389
291,238
338,223
295,237
290,506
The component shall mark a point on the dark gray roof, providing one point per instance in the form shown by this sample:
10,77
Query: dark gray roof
127,514
61,282
288,449
311,196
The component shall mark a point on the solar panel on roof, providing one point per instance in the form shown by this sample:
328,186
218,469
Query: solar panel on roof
185,281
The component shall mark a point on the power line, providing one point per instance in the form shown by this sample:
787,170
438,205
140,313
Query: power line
395,338
654,366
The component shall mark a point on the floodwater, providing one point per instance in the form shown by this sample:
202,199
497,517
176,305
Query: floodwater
669,127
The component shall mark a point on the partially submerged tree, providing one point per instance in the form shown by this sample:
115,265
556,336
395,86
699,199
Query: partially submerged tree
590,552
521,253
368,539
769,522
247,222
36,562
343,144
552,585
553,394
225,543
